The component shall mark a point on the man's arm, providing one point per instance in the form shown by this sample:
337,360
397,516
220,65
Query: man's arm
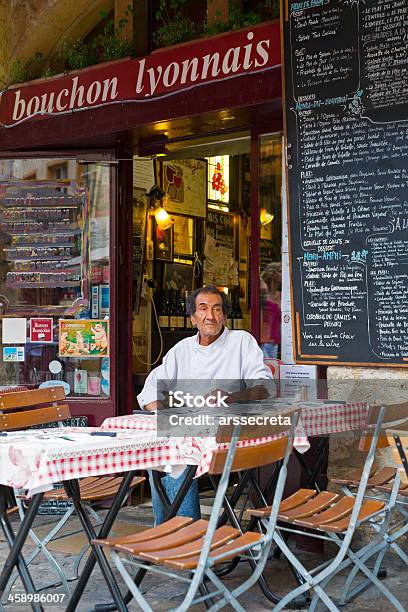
149,398
257,376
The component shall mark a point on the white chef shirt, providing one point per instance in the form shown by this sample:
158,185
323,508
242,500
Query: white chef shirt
235,355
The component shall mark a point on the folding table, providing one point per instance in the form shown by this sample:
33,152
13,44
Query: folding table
33,460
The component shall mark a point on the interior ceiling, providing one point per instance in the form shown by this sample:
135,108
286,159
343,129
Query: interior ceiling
204,129
231,144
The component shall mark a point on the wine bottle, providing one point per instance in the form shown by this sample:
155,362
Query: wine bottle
164,321
238,319
230,319
173,314
188,324
181,311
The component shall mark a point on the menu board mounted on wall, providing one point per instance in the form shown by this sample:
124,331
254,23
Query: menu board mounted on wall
185,183
347,144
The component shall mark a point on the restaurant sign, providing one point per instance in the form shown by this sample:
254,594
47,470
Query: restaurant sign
161,74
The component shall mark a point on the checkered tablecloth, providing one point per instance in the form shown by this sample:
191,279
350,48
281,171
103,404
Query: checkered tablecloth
34,460
317,418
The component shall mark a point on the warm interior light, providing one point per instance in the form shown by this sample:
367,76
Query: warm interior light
265,217
163,219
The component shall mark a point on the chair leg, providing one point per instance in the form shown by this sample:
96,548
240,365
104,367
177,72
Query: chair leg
380,586
228,596
130,583
41,547
347,593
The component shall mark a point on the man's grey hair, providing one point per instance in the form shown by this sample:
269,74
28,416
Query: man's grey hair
191,302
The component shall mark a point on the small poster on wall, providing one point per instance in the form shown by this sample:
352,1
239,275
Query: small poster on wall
83,338
41,329
185,183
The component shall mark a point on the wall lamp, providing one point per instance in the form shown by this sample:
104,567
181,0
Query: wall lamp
158,198
265,217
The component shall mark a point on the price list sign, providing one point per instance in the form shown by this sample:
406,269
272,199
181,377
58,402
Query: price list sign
346,90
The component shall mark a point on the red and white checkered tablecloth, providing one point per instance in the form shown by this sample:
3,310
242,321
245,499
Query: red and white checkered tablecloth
317,418
34,460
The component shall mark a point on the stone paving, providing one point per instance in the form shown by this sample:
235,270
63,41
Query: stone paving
164,594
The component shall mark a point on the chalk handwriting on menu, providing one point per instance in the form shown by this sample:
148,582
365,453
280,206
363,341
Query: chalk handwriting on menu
347,139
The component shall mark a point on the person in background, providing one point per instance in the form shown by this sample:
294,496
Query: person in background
215,352
271,286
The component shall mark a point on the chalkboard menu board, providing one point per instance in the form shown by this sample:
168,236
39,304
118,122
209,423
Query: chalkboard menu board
346,88
138,244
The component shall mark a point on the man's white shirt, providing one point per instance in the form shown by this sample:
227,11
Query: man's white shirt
234,356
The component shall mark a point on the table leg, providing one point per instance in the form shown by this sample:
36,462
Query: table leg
97,554
312,474
16,543
171,508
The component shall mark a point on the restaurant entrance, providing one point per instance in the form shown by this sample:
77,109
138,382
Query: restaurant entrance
209,211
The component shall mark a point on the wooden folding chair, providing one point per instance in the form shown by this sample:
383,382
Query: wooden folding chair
335,519
24,409
380,485
189,550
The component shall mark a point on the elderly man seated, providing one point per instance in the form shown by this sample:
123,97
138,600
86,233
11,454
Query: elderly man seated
215,352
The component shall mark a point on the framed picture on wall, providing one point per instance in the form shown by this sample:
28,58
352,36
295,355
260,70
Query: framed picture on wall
185,184
183,235
178,277
163,243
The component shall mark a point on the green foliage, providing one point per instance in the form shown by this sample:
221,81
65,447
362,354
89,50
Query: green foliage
75,54
237,18
176,26
272,6
112,44
26,71
17,73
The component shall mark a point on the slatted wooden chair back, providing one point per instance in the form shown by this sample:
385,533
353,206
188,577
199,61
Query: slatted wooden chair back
253,456
24,409
395,415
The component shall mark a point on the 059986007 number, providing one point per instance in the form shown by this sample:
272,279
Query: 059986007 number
36,598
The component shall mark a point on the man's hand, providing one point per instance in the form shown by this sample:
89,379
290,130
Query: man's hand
154,406
249,395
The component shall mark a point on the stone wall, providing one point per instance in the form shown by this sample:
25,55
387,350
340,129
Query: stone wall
39,26
372,385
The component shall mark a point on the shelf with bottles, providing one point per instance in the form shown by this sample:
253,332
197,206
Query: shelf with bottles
235,318
41,196
172,314
42,279
34,252
56,236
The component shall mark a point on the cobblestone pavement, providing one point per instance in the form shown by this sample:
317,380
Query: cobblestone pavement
164,594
